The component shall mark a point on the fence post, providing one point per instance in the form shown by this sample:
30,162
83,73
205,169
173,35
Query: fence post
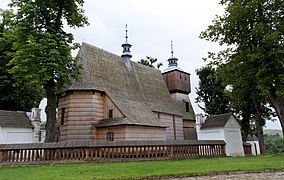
1,156
171,152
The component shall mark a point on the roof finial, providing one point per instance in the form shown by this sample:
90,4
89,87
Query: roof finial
172,48
126,55
172,60
126,36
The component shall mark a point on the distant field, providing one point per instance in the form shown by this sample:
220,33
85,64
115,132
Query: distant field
273,131
145,169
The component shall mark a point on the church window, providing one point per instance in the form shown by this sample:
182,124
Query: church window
110,113
110,136
62,116
187,106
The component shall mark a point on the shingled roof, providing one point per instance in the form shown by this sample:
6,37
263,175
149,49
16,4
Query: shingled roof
14,119
136,91
216,121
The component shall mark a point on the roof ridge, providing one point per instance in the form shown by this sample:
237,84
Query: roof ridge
87,44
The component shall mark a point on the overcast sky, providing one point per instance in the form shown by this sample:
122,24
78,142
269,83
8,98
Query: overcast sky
152,24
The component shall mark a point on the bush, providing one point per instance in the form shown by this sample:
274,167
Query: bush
273,145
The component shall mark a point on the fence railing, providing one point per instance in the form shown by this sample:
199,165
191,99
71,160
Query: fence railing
108,151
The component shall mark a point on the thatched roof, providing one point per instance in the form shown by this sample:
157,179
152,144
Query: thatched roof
14,119
137,91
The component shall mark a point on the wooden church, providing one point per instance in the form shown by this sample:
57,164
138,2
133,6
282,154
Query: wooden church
118,99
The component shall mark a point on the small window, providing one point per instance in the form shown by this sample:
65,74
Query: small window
185,78
187,106
62,116
110,113
110,136
180,76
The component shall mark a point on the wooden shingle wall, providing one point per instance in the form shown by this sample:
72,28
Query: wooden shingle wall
119,133
174,125
109,105
177,81
83,109
136,133
132,133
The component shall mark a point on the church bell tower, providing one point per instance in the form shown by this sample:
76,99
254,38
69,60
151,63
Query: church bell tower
176,79
178,83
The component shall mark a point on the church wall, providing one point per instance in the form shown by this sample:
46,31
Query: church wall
82,110
119,133
174,125
189,131
188,124
109,105
132,133
136,133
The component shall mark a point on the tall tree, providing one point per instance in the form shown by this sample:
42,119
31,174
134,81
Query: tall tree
253,30
149,61
211,92
43,49
245,98
11,97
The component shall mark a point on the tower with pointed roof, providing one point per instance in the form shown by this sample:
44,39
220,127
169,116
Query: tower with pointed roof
177,80
178,83
126,55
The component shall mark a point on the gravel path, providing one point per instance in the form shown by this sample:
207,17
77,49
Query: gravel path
266,175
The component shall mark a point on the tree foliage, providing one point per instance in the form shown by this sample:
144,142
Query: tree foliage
149,61
273,143
253,32
12,97
43,49
211,92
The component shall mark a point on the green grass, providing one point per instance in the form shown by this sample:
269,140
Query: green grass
126,170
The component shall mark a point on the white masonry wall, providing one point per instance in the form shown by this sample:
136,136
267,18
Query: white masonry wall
16,135
231,134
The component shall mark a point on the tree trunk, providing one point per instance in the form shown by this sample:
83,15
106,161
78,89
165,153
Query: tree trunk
278,104
246,123
259,128
52,133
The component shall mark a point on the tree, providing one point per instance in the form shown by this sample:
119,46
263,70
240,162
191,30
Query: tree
149,61
211,92
245,98
43,49
11,97
253,32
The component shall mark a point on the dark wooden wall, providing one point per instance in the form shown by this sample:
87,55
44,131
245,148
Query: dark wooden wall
177,81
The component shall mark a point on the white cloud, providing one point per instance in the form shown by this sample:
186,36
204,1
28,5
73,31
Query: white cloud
152,25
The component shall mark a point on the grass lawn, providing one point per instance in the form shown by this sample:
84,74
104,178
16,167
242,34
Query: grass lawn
126,170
